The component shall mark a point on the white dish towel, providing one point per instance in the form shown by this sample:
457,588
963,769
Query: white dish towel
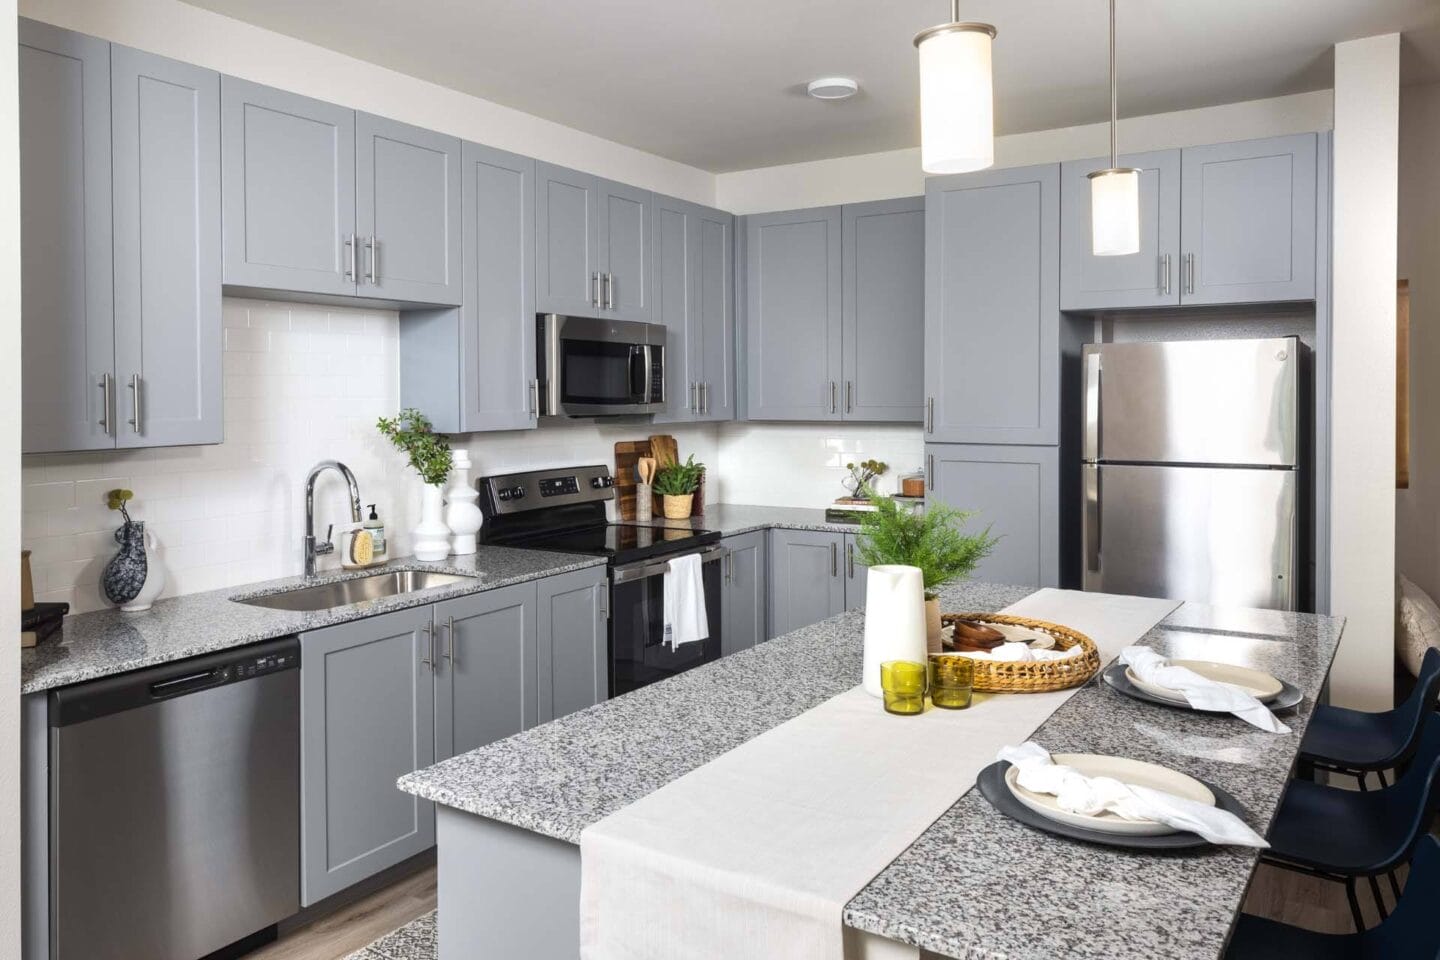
686,620
1094,795
1200,692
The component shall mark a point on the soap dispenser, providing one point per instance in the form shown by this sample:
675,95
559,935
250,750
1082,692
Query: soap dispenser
377,533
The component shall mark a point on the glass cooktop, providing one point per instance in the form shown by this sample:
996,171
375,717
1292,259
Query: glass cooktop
620,541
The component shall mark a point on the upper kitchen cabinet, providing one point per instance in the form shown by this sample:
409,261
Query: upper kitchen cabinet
592,244
407,212
883,325
1146,279
992,306
1248,215
793,315
694,297
288,166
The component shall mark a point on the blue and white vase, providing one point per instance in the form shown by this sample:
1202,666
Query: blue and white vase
133,578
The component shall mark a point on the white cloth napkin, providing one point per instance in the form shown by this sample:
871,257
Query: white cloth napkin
1022,653
1090,796
686,620
1200,692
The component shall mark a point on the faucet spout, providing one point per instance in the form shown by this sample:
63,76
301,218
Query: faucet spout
311,548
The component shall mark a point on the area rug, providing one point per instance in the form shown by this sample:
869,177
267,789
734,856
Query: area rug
414,941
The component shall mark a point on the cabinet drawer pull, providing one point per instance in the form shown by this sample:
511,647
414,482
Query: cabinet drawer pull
135,421
704,397
929,414
834,560
107,400
833,405
347,267
448,651
1165,274
930,471
428,630
595,289
609,291
372,270
849,396
850,560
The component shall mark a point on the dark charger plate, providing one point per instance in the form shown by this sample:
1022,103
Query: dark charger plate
1287,699
993,788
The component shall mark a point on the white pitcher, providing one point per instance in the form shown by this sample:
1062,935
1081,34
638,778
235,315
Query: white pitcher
894,619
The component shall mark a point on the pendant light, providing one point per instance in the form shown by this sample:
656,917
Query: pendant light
1114,192
957,110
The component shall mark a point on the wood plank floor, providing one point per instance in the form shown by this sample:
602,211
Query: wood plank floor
357,925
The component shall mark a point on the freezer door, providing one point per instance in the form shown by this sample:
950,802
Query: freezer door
1204,402
1221,536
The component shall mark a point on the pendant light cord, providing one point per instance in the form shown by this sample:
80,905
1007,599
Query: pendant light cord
1114,92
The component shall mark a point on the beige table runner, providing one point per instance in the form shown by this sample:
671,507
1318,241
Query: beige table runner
755,854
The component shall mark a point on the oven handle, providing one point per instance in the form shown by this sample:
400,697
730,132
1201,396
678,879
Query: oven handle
655,568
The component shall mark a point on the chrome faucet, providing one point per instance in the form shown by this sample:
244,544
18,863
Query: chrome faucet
313,549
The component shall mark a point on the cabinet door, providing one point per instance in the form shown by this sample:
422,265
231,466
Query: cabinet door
807,581
497,339
288,173
67,325
573,642
407,212
713,285
992,313
166,127
367,717
884,310
1015,491
856,576
625,235
674,304
1149,278
485,687
793,314
567,263
743,613
1248,221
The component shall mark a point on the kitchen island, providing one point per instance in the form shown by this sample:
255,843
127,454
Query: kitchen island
511,814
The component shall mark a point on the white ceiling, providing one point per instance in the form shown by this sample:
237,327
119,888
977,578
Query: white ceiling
719,84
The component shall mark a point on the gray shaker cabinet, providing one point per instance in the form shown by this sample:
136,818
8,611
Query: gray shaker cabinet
166,127
807,578
743,614
289,191
1014,490
884,310
67,307
407,212
1149,278
572,641
367,717
856,576
992,311
485,680
567,238
793,315
624,229
1248,223
694,297
714,286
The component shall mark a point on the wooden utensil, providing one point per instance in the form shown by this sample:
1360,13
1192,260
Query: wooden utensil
647,470
665,450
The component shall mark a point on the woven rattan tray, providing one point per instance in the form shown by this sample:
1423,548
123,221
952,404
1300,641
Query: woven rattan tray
1039,676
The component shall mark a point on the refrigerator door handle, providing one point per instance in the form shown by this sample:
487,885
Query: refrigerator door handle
1092,518
1092,406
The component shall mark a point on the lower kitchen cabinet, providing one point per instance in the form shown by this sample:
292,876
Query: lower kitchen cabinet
856,575
807,578
573,642
1014,490
367,704
743,614
485,680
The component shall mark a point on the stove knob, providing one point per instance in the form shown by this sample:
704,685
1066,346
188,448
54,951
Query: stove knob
599,483
504,493
517,493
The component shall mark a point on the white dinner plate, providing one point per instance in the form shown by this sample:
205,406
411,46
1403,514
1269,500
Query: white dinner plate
1257,683
1136,772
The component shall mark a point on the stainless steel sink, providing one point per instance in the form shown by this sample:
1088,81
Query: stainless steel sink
341,593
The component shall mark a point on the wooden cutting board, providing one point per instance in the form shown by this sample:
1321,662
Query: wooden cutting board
627,455
664,449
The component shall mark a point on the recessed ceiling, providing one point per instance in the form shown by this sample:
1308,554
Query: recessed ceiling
720,84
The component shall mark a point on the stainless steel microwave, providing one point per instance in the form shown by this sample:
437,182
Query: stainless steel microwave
588,367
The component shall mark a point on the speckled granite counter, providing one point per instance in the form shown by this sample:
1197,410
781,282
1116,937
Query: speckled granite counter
953,892
736,518
108,642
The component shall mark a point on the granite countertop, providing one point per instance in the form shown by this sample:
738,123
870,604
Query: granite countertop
735,518
108,642
953,891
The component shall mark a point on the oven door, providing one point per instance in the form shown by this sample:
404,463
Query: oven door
591,367
638,652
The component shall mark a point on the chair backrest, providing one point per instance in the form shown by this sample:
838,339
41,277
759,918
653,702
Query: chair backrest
1410,932
1410,805
1421,701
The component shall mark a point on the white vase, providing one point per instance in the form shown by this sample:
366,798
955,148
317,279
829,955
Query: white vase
154,578
894,620
430,540
462,514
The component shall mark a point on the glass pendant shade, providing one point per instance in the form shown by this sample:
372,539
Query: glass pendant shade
1115,212
957,110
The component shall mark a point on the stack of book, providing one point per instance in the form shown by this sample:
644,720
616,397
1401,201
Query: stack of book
851,509
41,622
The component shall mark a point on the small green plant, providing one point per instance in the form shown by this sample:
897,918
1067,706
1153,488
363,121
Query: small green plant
412,433
861,474
116,500
931,539
678,479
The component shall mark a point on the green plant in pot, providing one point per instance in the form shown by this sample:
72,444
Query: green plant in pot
676,483
932,539
412,433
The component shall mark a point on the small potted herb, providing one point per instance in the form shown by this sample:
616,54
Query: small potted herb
412,433
677,483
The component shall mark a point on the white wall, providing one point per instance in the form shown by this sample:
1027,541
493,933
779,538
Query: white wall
177,30
1417,510
9,489
1362,492
802,464
897,173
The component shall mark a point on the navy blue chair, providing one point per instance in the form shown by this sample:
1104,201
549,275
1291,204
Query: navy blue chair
1346,835
1354,743
1410,933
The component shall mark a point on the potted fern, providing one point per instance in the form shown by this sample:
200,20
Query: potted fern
676,483
931,539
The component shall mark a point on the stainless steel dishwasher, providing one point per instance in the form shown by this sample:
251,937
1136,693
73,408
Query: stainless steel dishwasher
175,807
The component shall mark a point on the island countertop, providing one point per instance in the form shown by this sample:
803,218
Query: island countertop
952,890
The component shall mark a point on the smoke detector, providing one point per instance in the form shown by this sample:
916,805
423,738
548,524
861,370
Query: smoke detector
832,88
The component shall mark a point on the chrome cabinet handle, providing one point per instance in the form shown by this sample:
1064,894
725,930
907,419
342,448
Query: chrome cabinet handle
609,291
107,402
850,560
692,403
834,560
730,567
930,471
833,408
849,396
534,399
1188,273
347,263
595,289
448,651
929,414
1165,274
704,397
135,421
428,630
372,271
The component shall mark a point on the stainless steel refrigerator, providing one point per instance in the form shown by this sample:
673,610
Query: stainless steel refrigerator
1191,464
